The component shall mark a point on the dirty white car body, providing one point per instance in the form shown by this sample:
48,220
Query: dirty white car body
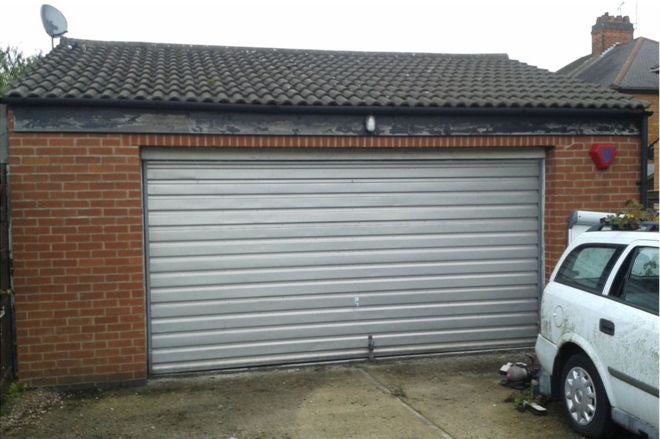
605,316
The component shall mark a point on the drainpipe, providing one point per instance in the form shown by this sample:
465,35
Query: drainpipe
643,178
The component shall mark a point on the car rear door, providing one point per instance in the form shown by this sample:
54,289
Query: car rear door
626,336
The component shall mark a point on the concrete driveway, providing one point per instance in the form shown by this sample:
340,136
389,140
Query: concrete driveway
437,397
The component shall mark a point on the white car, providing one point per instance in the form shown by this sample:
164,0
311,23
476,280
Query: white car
598,339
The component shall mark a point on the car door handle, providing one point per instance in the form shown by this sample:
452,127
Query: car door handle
606,327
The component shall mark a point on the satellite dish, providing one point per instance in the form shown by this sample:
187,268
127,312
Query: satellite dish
53,21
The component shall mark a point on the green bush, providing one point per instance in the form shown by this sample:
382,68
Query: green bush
630,217
13,64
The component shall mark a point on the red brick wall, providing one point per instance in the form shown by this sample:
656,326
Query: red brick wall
78,259
602,40
78,235
653,133
573,183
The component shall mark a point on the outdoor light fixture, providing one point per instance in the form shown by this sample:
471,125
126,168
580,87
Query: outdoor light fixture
370,124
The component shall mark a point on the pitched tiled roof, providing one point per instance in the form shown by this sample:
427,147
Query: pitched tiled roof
625,66
83,71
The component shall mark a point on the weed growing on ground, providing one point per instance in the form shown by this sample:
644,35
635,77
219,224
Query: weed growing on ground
399,392
14,390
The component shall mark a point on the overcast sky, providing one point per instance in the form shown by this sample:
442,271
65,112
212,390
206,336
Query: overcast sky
544,33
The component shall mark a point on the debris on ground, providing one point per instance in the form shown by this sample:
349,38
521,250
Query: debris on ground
29,408
523,376
519,375
533,407
524,401
516,375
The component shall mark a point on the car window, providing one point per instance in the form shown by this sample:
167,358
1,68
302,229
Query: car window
639,284
588,267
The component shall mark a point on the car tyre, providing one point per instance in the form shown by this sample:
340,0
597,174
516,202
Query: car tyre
585,402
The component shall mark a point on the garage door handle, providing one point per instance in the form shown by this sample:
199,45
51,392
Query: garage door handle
607,327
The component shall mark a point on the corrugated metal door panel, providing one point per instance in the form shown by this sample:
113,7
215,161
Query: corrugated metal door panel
349,231
267,262
177,294
378,326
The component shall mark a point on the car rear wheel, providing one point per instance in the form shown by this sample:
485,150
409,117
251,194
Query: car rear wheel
584,399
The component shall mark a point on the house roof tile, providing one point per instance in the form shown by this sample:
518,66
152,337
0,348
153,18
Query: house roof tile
624,66
82,71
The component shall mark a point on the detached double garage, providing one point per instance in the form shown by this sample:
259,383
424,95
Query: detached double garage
185,208
310,257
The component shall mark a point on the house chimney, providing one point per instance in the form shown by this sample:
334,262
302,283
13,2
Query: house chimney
608,31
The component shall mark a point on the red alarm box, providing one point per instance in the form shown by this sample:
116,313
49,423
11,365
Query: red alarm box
603,154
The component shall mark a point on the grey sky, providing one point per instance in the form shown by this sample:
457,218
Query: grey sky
548,34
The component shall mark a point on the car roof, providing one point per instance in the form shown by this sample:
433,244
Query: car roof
612,237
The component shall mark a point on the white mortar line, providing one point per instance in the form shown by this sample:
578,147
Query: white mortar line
432,425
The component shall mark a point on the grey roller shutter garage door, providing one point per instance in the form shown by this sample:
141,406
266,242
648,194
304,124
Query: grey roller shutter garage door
254,262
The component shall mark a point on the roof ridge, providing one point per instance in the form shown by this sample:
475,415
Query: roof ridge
70,41
629,61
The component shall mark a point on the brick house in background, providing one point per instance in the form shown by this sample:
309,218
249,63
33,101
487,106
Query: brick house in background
628,66
184,208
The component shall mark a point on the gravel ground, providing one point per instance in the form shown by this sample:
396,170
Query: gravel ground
29,408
